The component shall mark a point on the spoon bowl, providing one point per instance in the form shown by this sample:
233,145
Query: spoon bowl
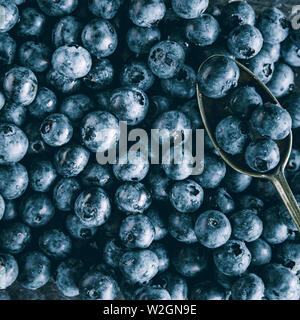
214,110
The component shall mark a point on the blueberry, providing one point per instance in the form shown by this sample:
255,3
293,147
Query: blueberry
221,200
10,212
139,266
233,258
236,182
56,130
280,283
166,58
218,76
42,176
66,31
65,193
202,31
237,13
186,196
292,105
190,109
141,40
144,13
232,135
100,38
273,25
290,53
261,252
62,83
57,8
213,174
288,255
78,230
55,244
212,229
243,100
189,260
152,293
215,48
189,9
248,201
9,270
100,76
163,255
105,9
245,41
100,131
70,160
2,207
182,85
293,164
35,270
286,217
181,227
156,219
246,225
96,175
68,274
8,48
36,144
208,290
10,16
158,182
262,155
129,104
20,85
76,106
133,197
14,237
13,181
36,210
112,252
282,81
32,23
135,170
248,287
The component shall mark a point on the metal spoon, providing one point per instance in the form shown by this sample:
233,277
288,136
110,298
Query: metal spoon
214,110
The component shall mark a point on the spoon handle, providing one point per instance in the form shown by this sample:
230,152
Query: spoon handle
287,196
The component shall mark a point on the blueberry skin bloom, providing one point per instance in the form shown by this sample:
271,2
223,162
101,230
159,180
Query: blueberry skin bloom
56,130
32,23
248,287
273,25
245,41
35,270
186,196
8,48
262,155
8,270
189,9
78,230
44,103
100,38
243,100
246,225
232,135
202,31
14,181
292,105
261,252
93,207
10,15
13,113
217,77
55,244
139,266
271,120
280,283
62,83
137,231
233,258
212,229
166,58
94,285
2,207
141,40
70,160
66,31
36,210
57,8
20,85
145,13
13,145
65,193
105,9
42,175
282,81
290,53
129,104
14,237
133,197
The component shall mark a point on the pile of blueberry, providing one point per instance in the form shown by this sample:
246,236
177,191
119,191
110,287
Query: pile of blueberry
71,228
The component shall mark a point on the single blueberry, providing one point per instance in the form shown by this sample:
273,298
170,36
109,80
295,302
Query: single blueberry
96,175
14,113
106,9
42,175
248,287
152,293
57,7
290,53
288,254
261,252
9,270
10,212
236,182
8,48
9,15
189,9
